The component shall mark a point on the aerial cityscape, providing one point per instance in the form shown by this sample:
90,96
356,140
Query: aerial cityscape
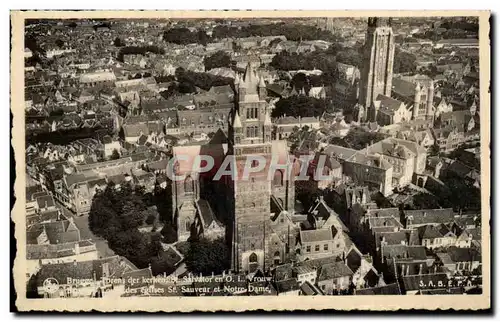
243,157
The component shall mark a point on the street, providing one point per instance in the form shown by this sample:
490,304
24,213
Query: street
82,222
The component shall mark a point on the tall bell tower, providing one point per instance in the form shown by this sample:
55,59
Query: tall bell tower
250,135
378,58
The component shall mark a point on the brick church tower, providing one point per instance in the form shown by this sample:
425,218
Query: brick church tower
250,134
376,74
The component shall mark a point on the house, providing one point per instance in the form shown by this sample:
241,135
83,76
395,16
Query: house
448,139
460,260
325,170
317,92
75,251
309,289
440,236
334,278
323,242
364,273
305,274
405,156
53,232
423,217
31,198
390,110
287,287
369,170
286,125
110,145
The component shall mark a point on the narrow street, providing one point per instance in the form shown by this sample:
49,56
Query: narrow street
82,222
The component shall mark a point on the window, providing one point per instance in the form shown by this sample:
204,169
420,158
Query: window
253,258
316,248
252,131
325,247
278,178
338,245
188,185
252,113
308,249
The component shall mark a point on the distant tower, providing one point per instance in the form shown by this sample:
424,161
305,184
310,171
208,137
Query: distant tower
376,75
430,100
416,103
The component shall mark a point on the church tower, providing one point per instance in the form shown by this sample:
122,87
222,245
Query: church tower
250,135
378,58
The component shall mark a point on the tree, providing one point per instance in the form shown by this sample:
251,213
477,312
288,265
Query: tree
207,257
425,201
118,42
306,191
115,155
59,43
404,62
302,106
115,216
358,139
218,59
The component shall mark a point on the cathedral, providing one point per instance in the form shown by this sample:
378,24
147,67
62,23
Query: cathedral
256,211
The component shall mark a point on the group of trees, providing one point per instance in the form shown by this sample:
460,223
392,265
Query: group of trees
205,257
202,80
115,215
319,59
404,62
118,42
299,105
188,82
294,32
218,59
358,139
301,80
136,50
326,60
184,36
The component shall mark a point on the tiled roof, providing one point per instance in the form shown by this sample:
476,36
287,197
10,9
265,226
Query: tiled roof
389,289
429,216
334,270
316,235
287,285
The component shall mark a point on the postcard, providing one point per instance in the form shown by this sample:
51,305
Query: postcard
251,160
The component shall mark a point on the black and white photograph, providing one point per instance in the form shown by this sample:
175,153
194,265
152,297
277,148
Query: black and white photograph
316,157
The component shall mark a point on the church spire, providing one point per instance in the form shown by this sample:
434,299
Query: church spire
237,120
